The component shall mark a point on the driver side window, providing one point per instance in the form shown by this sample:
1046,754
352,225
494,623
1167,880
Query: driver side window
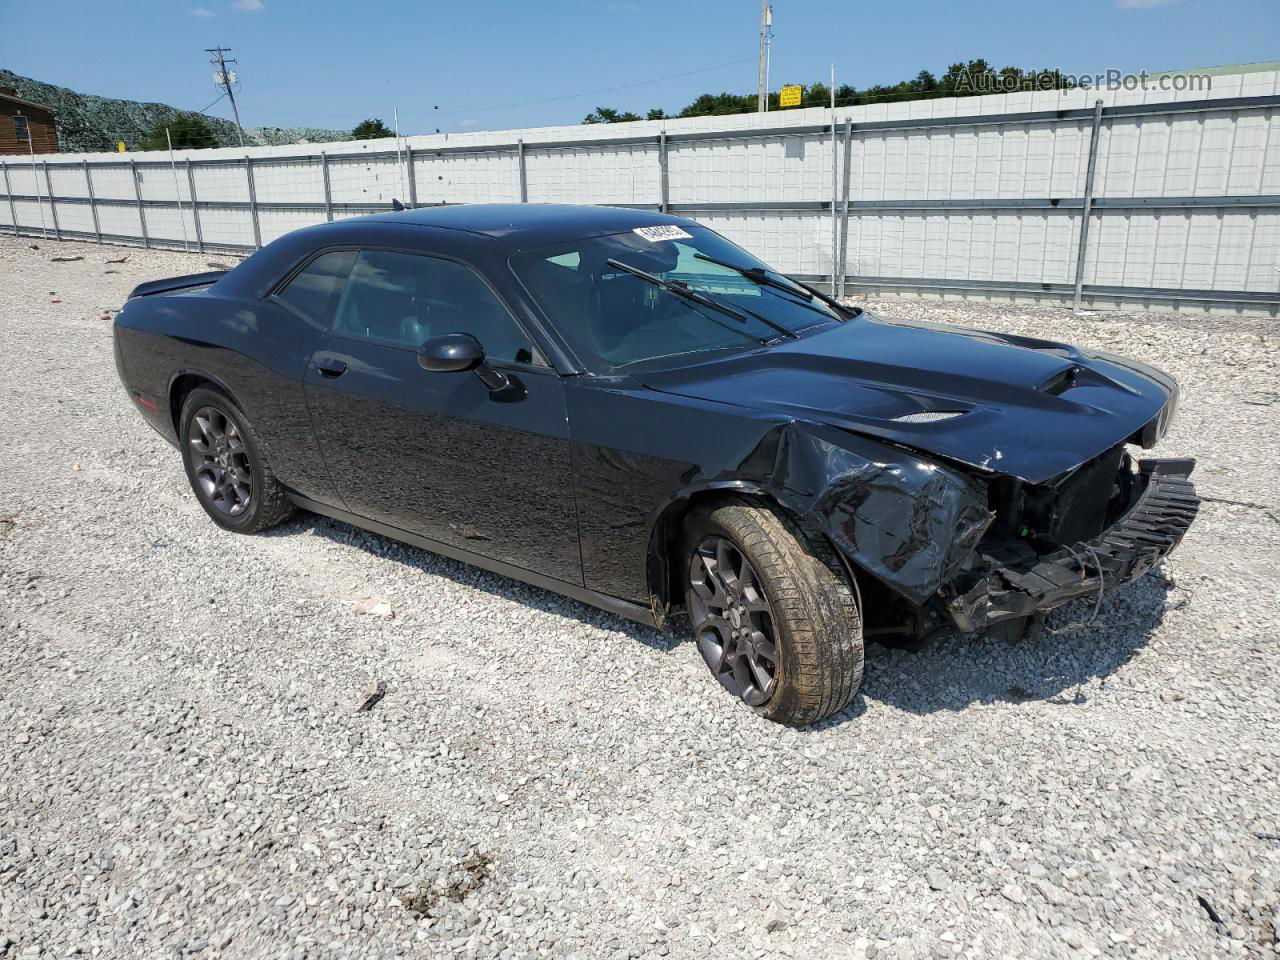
405,299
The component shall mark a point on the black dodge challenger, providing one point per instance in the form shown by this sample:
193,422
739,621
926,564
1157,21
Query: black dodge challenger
628,409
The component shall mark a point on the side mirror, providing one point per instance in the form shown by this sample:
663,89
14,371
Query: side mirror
451,353
455,352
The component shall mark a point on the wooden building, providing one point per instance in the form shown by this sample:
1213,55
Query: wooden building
25,126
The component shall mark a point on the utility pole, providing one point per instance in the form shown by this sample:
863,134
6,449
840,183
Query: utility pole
768,52
835,188
766,21
225,78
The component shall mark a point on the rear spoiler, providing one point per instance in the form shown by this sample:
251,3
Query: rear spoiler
176,283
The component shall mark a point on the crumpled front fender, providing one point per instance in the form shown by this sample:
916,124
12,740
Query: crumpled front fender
909,521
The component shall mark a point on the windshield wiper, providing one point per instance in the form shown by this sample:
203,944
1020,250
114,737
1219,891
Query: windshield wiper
796,288
832,302
683,290
758,275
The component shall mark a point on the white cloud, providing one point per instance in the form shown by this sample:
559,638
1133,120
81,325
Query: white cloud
1141,4
202,12
468,122
253,6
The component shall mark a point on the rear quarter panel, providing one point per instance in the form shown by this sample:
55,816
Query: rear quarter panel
253,349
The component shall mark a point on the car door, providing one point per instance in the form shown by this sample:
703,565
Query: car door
440,454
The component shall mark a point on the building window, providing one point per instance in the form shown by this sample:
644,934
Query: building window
20,130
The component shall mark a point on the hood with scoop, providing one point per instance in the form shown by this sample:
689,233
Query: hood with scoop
1032,409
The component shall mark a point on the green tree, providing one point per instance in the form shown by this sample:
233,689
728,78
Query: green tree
720,104
609,115
371,129
189,131
968,79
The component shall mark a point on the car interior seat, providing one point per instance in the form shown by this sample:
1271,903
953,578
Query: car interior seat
461,302
415,326
623,302
379,303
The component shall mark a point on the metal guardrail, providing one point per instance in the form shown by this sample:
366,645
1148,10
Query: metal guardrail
1067,290
1063,205
841,207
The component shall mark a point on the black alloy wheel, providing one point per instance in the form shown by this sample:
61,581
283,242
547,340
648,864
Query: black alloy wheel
220,464
732,620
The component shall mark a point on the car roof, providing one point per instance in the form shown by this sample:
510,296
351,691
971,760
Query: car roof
526,226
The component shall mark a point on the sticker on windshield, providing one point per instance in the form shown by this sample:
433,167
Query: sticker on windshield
654,234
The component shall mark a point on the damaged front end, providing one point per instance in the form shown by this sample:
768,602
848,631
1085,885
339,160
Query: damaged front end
967,479
1104,524
962,550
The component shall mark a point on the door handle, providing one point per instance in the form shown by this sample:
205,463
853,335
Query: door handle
331,367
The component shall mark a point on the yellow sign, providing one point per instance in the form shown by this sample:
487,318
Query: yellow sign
120,146
791,95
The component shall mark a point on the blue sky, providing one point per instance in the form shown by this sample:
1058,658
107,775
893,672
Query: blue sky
499,63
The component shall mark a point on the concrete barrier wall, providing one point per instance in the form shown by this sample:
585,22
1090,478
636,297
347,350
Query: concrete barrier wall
981,196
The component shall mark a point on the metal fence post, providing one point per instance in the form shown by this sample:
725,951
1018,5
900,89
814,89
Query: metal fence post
137,192
195,206
1087,208
835,191
8,192
35,182
253,203
664,174
413,179
524,176
844,205
53,208
93,201
328,193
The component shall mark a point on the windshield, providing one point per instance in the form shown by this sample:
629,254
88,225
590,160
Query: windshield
614,317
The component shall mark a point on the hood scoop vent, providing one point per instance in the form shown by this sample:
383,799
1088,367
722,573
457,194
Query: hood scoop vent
929,416
1061,382
1076,376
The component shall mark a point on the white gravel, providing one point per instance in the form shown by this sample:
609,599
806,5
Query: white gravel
185,772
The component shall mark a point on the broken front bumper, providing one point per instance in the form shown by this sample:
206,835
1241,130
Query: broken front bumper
1163,507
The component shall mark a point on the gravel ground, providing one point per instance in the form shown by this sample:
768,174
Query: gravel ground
186,771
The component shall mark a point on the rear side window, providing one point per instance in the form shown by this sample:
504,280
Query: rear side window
313,293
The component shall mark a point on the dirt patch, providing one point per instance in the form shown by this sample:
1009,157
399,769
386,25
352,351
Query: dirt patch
465,878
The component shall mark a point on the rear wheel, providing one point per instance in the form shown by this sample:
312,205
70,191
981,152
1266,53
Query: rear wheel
224,462
772,615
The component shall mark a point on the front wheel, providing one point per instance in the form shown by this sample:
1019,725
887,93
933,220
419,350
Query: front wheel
771,612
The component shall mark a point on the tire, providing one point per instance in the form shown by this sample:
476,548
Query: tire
816,634
261,501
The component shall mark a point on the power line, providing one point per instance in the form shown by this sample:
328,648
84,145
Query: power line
526,103
225,78
215,101
876,97
592,93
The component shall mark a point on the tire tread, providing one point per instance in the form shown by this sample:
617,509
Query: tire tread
816,612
